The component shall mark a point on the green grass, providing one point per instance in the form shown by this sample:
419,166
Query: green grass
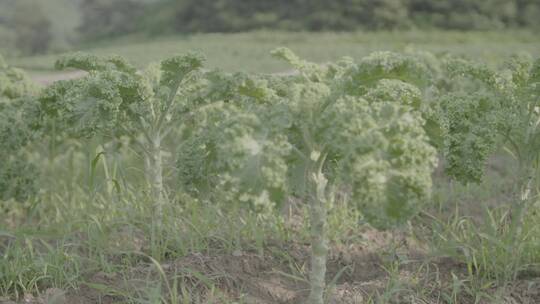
250,51
85,235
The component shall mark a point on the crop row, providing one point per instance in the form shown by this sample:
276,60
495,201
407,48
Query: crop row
372,131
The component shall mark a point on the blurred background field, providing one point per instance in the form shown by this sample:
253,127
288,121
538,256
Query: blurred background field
238,35
251,51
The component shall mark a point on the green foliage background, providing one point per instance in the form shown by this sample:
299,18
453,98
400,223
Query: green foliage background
33,26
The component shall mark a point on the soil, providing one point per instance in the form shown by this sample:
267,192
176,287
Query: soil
356,273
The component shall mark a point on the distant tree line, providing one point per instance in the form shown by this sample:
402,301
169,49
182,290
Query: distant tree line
23,23
345,15
24,26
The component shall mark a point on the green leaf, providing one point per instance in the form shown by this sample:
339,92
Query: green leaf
89,63
175,69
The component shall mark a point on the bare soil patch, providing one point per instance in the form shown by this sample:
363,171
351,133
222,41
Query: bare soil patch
356,274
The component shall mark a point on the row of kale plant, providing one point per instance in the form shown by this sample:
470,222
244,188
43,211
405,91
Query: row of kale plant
372,131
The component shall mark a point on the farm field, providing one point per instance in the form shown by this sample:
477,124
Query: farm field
248,52
408,176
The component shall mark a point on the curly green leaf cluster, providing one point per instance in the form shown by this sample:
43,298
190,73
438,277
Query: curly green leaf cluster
239,154
17,178
376,144
391,90
92,63
470,123
17,175
175,69
97,103
14,83
485,109
114,96
384,157
388,65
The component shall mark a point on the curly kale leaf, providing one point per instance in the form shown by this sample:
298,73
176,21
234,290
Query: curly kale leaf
175,69
114,96
17,175
17,178
471,123
385,157
484,109
368,118
240,154
95,103
93,63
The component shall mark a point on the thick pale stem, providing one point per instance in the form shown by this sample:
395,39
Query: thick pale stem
319,242
155,177
525,182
